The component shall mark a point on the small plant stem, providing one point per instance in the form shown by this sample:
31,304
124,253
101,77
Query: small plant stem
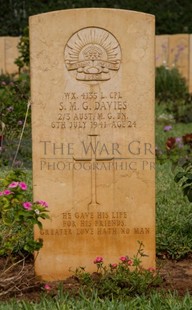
21,136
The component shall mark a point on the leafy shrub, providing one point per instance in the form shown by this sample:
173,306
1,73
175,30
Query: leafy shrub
185,179
127,278
14,96
173,140
23,60
176,149
173,215
18,216
171,89
169,84
5,79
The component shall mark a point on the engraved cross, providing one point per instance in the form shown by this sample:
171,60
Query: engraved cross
93,159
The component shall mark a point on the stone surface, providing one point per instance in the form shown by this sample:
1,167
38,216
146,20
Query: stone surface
179,53
190,63
2,53
162,50
9,53
174,51
92,87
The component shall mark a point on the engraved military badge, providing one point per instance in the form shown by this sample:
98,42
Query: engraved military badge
92,54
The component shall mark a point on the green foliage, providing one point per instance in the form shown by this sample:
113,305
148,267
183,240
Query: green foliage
169,84
156,300
14,97
185,179
173,210
173,215
23,47
171,90
5,79
173,140
18,216
127,278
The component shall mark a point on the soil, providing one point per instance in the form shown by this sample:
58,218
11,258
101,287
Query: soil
20,281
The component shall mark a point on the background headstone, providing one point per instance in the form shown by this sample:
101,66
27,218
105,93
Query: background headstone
162,50
2,53
9,52
92,85
190,63
179,53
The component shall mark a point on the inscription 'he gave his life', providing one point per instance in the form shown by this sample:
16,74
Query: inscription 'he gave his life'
134,147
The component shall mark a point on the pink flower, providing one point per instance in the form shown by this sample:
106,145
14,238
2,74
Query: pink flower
130,262
23,186
151,269
98,259
47,287
13,184
1,193
27,205
20,123
113,266
7,192
42,203
123,258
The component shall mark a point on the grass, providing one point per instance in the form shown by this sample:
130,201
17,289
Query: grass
173,215
155,301
173,210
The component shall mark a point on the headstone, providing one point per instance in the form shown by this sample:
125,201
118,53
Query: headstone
11,54
2,53
190,63
92,85
179,53
162,50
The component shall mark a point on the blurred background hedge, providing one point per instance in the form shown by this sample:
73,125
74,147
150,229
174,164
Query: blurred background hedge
172,16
